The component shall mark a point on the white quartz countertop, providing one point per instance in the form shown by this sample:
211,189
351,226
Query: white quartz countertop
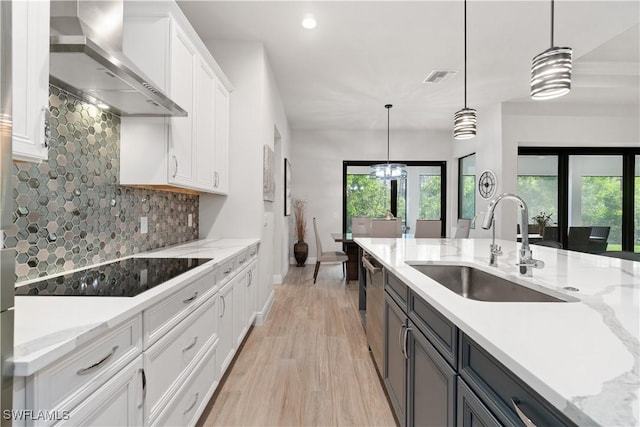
582,356
48,327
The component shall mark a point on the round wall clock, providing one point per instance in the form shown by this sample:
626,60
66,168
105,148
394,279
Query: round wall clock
487,184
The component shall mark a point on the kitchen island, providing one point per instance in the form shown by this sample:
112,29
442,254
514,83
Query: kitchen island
580,356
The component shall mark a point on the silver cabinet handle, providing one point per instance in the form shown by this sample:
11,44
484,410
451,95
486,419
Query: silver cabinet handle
216,181
196,396
370,267
224,305
188,300
190,346
250,277
406,342
527,422
143,376
96,365
400,332
175,159
47,127
228,270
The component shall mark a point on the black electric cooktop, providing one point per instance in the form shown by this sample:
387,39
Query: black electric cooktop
125,278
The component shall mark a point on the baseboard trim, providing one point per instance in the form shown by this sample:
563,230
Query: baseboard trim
262,315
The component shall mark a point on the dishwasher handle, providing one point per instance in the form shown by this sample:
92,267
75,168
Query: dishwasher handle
369,266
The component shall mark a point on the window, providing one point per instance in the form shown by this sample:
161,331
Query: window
467,187
636,203
585,187
538,185
421,195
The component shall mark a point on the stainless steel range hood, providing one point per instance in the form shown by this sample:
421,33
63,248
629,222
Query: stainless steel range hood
86,59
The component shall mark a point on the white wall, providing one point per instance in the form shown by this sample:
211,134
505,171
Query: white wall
256,111
317,157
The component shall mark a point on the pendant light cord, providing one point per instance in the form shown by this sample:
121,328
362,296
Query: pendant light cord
388,107
551,23
465,53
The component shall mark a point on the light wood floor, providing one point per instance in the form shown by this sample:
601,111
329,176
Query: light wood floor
308,364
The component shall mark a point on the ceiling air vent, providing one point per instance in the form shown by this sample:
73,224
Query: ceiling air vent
439,76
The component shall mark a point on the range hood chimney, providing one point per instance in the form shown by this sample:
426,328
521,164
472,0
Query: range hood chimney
86,59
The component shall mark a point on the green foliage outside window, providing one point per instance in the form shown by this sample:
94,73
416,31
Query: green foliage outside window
540,192
366,197
430,200
468,197
602,204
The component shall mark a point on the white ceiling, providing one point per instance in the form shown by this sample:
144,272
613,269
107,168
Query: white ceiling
364,54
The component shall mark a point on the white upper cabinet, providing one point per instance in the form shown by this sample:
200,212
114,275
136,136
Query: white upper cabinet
30,42
175,152
221,158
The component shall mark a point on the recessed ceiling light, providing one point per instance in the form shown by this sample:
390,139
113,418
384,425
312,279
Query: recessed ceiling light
309,22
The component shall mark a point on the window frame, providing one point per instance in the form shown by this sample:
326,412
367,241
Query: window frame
460,188
394,186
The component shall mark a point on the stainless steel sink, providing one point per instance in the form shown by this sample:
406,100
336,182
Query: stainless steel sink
476,284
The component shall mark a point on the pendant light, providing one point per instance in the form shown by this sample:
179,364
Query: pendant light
551,71
464,121
388,171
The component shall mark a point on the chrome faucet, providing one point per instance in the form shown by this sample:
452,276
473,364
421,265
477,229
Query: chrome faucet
525,261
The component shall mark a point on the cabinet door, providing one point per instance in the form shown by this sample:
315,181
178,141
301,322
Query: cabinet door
239,308
226,345
222,139
204,126
431,397
183,66
252,293
117,403
395,362
471,411
30,43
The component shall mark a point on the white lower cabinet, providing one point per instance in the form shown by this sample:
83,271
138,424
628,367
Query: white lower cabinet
226,345
192,398
240,325
116,403
252,293
168,362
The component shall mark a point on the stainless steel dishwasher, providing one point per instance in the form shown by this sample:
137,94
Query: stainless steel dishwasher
375,309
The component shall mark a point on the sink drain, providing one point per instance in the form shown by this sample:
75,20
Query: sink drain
571,289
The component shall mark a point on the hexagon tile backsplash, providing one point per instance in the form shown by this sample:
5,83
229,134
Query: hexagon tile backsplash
70,211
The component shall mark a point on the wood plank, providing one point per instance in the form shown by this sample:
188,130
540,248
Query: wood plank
308,364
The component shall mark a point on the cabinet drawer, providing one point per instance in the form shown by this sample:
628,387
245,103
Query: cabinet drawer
441,332
163,316
498,388
64,384
397,289
253,251
193,396
171,358
241,260
225,271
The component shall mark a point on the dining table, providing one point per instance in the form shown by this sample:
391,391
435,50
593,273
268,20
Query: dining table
351,249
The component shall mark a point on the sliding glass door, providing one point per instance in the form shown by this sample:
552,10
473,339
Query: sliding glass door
592,194
420,196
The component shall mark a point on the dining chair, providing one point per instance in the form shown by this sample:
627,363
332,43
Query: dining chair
386,228
548,243
328,256
550,233
360,226
578,239
428,228
598,239
462,228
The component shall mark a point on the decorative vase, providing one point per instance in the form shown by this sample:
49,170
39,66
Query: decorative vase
301,252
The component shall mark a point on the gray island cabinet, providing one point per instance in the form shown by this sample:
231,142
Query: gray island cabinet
435,375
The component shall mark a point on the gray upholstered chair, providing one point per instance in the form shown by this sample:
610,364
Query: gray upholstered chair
428,228
462,228
329,256
390,228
